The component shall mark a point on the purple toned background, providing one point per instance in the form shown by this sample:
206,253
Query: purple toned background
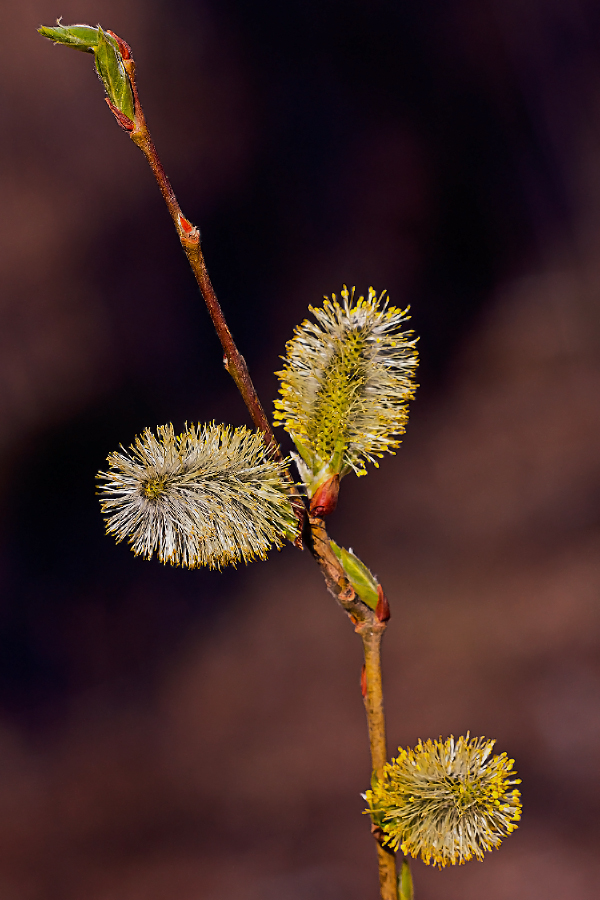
173,735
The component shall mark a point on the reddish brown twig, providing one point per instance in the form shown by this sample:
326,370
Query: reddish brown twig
370,624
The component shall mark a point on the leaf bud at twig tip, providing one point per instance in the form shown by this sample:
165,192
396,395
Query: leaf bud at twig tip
382,610
325,499
110,52
79,37
363,680
110,68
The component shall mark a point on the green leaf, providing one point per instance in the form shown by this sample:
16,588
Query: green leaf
80,37
363,582
405,883
109,62
110,68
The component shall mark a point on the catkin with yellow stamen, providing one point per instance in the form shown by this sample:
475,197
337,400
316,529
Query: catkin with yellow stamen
211,496
345,385
446,801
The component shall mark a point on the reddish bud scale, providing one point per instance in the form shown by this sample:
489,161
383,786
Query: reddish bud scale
382,610
124,48
185,224
123,120
325,499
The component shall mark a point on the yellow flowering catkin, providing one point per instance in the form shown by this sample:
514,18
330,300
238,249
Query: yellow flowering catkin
345,383
446,801
211,496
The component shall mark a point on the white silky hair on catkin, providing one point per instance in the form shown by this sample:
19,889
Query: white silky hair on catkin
211,496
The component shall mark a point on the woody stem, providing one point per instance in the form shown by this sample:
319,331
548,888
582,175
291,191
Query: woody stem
371,630
373,699
189,237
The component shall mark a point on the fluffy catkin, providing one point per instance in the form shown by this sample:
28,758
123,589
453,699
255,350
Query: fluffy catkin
446,801
211,496
346,381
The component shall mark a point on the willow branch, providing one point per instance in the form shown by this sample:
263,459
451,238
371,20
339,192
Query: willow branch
370,624
189,237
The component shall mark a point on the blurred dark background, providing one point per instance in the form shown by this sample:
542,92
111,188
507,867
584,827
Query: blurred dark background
175,735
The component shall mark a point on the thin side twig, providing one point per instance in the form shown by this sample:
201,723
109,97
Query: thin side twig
189,236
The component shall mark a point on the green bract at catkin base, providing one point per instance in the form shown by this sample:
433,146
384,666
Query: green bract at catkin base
345,385
362,580
446,801
211,496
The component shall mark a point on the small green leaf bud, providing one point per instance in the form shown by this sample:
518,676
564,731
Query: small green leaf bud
109,52
110,68
358,575
80,37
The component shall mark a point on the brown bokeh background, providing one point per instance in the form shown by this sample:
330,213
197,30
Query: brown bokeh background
172,735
